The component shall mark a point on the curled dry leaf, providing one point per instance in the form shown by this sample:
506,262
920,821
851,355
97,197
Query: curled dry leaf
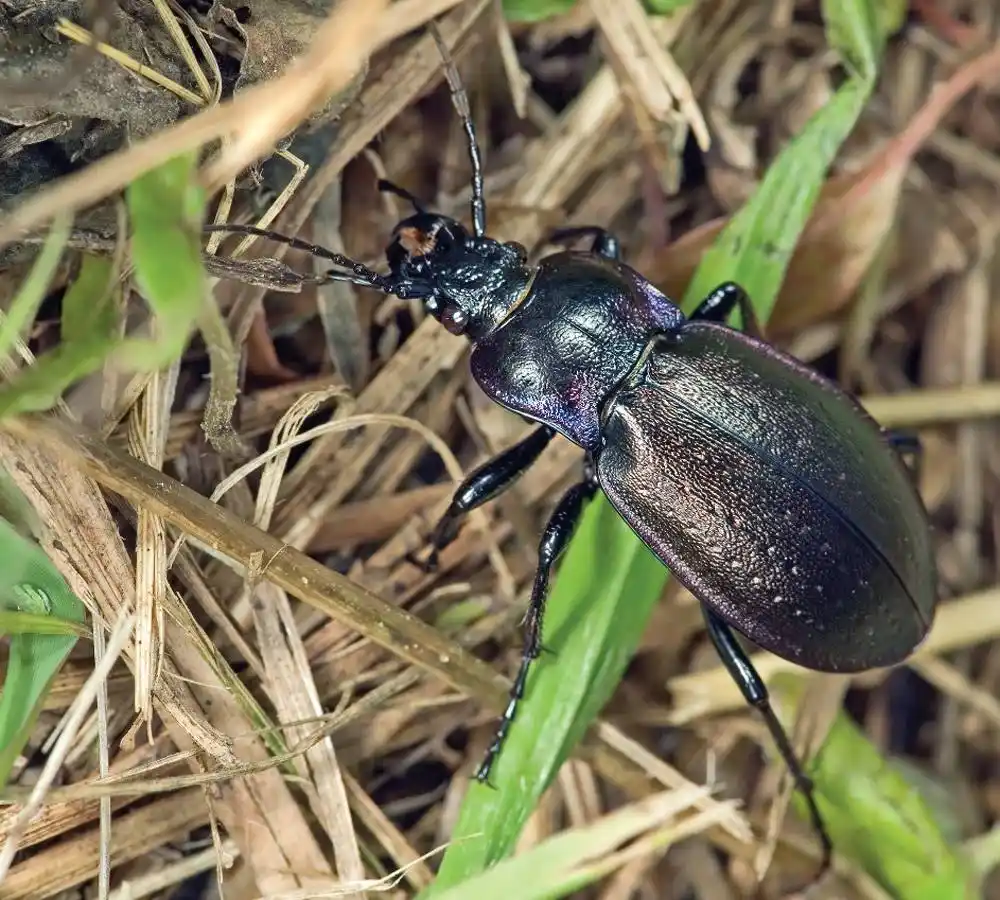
262,357
854,212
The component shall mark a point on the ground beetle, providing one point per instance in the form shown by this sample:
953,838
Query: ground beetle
768,492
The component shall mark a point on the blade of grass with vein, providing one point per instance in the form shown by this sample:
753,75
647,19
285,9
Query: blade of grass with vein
608,581
14,622
876,815
535,10
166,210
591,640
31,294
757,245
31,584
526,11
570,861
89,334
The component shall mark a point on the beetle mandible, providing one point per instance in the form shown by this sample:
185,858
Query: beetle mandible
766,490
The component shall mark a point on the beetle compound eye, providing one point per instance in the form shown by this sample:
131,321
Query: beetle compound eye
455,319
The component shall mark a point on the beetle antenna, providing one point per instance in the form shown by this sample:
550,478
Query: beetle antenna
461,102
359,274
390,187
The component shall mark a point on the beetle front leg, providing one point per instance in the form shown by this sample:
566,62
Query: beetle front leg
605,243
755,692
717,306
487,482
556,536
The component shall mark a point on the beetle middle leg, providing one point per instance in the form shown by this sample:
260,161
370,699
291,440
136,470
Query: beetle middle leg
605,243
554,540
717,306
908,446
490,480
755,692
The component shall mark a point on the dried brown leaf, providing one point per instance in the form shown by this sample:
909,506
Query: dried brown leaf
853,214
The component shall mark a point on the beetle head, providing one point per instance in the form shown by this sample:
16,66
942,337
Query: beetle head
467,283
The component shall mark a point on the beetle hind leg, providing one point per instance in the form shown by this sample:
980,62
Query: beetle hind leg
755,692
556,536
484,484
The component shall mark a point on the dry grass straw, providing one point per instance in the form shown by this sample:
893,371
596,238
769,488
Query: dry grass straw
258,117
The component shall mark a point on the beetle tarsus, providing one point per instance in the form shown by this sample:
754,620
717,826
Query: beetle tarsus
429,565
556,536
605,243
755,693
802,781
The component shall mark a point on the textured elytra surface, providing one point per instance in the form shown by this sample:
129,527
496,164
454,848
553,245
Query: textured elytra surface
769,494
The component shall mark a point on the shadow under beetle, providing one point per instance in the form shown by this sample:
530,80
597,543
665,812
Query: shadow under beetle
767,491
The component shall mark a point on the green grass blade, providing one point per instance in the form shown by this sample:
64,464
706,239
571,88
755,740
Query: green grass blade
608,581
13,622
665,7
92,318
539,10
166,209
30,584
31,294
15,508
535,10
591,633
572,860
757,244
875,814
87,307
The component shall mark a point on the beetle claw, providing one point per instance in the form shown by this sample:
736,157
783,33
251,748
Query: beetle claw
427,566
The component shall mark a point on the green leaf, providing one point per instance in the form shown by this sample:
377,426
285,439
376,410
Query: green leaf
608,581
535,10
24,308
93,320
15,508
459,615
539,10
88,306
38,623
665,7
892,15
604,593
854,30
31,585
575,858
166,209
875,814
